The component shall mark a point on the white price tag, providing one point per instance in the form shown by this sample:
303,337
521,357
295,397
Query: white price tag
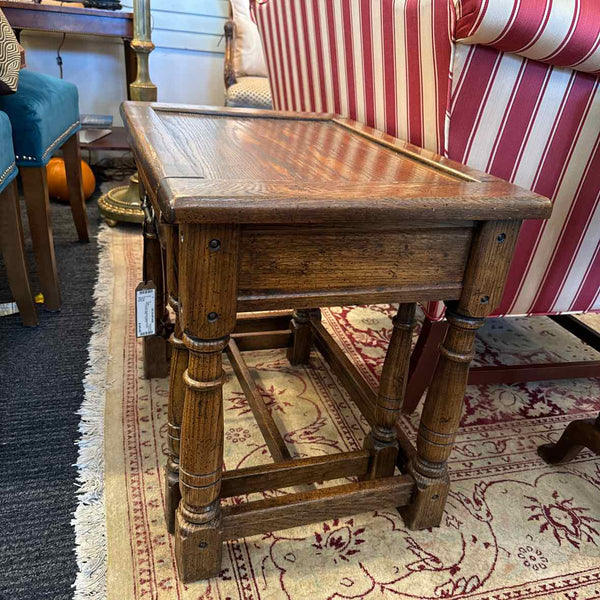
145,309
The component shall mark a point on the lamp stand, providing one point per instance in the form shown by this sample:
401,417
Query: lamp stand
123,203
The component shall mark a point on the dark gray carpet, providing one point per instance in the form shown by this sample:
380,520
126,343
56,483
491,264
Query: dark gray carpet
41,373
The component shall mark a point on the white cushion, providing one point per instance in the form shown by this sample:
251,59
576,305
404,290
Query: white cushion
248,57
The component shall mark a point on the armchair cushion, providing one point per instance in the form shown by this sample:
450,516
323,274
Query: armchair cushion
8,167
565,34
248,56
249,92
44,113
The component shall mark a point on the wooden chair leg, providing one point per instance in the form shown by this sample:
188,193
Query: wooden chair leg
578,435
35,188
11,244
72,157
423,362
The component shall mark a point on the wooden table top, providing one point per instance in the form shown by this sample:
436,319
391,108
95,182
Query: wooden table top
228,165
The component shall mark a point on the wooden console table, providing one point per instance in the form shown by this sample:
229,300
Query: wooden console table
85,21
265,211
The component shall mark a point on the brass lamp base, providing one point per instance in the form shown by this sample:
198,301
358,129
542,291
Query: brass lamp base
122,204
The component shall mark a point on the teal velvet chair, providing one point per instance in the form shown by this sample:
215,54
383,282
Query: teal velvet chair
11,228
44,114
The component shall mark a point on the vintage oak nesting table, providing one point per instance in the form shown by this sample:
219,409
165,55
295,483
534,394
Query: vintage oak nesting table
264,211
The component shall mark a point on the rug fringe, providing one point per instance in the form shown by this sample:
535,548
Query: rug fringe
89,518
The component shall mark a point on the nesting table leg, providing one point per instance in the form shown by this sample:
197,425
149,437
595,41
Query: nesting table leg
155,346
440,421
381,441
299,352
179,364
208,263
198,540
487,268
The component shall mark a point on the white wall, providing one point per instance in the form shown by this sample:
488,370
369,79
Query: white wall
186,66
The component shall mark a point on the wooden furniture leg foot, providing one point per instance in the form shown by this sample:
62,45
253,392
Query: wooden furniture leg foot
179,365
381,441
440,421
35,189
584,433
299,352
208,260
72,157
199,543
11,244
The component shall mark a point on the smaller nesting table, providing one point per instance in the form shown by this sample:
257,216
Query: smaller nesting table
263,211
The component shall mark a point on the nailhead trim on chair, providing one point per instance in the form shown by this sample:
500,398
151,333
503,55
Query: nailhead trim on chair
53,145
7,171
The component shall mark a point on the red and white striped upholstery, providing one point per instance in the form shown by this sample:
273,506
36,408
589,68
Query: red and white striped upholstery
564,33
396,65
538,126
382,63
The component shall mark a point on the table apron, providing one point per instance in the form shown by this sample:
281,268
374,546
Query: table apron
299,267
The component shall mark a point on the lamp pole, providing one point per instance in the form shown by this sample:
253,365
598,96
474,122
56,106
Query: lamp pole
142,88
123,203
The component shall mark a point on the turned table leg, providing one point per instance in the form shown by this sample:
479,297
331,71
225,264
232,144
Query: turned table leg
208,286
179,364
381,441
489,259
440,420
299,352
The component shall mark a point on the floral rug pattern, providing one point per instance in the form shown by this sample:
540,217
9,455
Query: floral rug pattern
514,528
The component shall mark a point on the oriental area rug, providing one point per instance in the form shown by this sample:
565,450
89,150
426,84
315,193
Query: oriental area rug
514,527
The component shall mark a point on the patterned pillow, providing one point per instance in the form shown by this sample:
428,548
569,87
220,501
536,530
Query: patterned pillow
10,58
248,57
557,32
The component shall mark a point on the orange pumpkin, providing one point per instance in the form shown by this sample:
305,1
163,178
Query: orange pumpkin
57,180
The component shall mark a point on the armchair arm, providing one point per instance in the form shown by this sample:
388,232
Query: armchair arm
229,69
565,34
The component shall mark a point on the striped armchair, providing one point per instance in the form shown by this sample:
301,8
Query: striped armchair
511,88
